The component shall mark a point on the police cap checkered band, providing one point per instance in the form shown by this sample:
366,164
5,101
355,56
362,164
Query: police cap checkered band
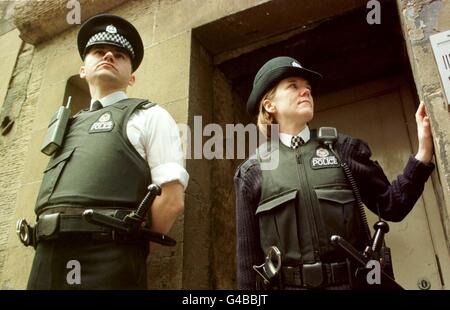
114,38
111,30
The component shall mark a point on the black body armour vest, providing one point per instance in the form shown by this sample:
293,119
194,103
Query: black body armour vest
97,165
304,201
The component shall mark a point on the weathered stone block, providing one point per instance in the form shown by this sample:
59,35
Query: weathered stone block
164,73
15,275
31,17
36,161
62,67
50,99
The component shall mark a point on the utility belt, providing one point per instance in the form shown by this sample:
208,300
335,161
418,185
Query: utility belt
273,275
60,222
123,225
316,275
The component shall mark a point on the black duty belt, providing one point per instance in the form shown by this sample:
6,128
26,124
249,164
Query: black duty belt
316,275
101,224
57,225
78,210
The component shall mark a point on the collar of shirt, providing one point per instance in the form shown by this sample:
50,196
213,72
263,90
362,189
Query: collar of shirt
111,98
286,138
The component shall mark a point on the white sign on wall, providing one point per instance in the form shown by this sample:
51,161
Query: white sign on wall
440,43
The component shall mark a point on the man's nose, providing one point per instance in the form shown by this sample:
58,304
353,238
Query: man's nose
108,55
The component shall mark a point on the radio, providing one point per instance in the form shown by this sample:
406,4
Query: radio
56,129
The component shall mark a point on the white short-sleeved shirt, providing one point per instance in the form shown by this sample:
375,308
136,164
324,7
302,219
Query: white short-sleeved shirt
154,134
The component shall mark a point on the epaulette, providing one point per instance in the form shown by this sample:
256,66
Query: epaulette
147,105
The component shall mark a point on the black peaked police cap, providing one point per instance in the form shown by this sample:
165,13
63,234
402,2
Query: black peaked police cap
111,30
271,73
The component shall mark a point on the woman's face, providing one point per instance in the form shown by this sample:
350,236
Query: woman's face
292,103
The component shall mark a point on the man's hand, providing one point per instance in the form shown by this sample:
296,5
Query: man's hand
425,151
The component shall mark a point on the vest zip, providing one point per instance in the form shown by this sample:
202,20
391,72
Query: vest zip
304,184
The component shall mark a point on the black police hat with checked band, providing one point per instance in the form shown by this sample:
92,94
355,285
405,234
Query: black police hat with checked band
111,30
271,73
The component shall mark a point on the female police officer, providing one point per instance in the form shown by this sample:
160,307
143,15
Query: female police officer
303,201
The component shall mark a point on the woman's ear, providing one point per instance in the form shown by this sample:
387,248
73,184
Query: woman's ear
269,106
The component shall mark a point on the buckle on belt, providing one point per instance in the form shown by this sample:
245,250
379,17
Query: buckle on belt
46,228
26,233
271,266
312,275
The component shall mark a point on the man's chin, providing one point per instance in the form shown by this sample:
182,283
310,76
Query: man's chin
107,76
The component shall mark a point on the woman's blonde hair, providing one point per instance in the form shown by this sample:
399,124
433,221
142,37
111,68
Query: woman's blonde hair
265,119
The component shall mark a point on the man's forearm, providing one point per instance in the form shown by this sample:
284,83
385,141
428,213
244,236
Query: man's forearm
167,207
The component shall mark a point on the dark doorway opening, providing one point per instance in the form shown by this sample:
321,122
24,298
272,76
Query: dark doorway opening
345,49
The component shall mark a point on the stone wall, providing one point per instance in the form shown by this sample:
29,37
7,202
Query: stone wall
228,110
420,19
39,21
19,108
15,119
6,16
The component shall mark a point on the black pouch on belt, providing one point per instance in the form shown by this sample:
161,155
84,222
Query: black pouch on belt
47,226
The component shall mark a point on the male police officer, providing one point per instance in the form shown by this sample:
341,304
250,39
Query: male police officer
309,197
110,155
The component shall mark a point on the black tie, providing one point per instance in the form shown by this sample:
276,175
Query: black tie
296,141
97,105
